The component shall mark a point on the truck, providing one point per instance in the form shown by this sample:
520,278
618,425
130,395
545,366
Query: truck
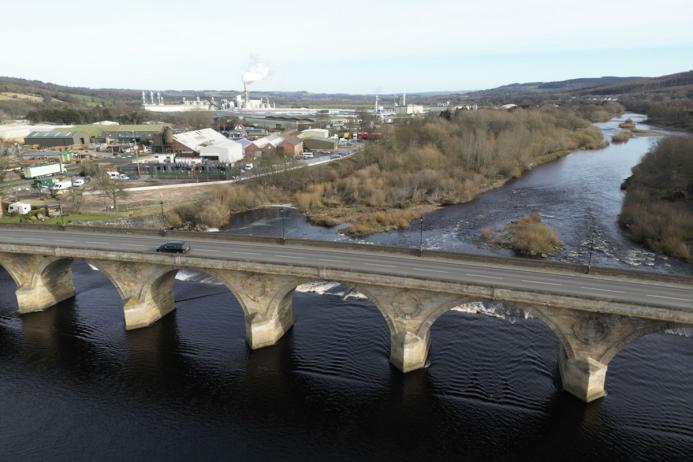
33,171
43,182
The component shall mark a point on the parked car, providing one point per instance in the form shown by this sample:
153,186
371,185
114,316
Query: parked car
123,176
76,182
174,247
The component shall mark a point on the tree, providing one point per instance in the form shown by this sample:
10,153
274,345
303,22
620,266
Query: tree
112,189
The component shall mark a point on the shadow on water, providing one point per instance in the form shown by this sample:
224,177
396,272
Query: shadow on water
76,386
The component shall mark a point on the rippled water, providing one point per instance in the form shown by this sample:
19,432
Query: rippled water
74,385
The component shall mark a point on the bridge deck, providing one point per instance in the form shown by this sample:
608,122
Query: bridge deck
636,290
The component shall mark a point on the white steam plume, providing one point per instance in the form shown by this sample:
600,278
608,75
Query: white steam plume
256,72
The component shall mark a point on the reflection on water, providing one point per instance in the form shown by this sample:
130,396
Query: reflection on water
76,386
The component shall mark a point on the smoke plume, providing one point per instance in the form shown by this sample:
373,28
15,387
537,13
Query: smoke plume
256,72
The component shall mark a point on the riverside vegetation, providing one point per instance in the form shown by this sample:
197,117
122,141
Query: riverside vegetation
527,236
658,207
423,164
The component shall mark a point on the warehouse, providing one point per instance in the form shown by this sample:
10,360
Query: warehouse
83,135
210,144
63,137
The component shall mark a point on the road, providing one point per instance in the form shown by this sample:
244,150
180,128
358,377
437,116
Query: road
638,291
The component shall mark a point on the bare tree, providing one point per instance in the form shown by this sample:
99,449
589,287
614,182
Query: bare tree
112,189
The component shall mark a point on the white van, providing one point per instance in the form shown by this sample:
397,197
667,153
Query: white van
19,208
61,185
113,175
308,155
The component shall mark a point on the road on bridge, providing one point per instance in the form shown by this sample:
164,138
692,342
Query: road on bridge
638,291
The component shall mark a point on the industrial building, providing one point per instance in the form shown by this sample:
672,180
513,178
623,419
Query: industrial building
59,137
84,135
292,145
210,144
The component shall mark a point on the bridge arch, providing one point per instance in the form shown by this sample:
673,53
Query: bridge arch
42,281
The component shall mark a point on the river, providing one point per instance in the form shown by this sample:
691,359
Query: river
74,385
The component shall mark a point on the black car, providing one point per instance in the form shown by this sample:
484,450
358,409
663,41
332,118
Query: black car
174,247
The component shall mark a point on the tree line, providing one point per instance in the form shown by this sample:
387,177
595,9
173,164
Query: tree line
658,207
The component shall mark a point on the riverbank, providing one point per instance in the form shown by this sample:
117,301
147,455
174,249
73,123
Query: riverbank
434,162
658,207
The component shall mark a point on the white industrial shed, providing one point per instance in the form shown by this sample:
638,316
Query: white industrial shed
211,144
228,152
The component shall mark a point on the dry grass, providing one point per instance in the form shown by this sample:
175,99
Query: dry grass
622,136
530,237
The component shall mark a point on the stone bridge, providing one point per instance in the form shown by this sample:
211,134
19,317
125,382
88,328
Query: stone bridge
592,328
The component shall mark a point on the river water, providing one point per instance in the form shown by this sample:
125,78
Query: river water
74,385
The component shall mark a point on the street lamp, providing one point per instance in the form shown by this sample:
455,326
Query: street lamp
420,236
60,210
281,214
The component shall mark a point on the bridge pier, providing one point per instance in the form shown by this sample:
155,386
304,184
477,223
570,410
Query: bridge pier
42,281
267,302
146,290
589,341
409,314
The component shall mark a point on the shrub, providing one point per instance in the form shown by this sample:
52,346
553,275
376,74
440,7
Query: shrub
529,236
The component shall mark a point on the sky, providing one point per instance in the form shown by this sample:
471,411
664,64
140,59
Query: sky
355,46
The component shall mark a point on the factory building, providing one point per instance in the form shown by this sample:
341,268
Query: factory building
84,135
60,137
209,144
292,145
281,123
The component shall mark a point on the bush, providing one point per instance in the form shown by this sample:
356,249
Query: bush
622,136
529,236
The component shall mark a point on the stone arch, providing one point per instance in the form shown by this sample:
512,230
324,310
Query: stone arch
42,281
266,300
589,341
145,289
409,314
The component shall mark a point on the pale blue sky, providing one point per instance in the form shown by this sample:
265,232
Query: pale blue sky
357,46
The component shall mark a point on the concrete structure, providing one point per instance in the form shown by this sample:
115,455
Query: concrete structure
594,316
